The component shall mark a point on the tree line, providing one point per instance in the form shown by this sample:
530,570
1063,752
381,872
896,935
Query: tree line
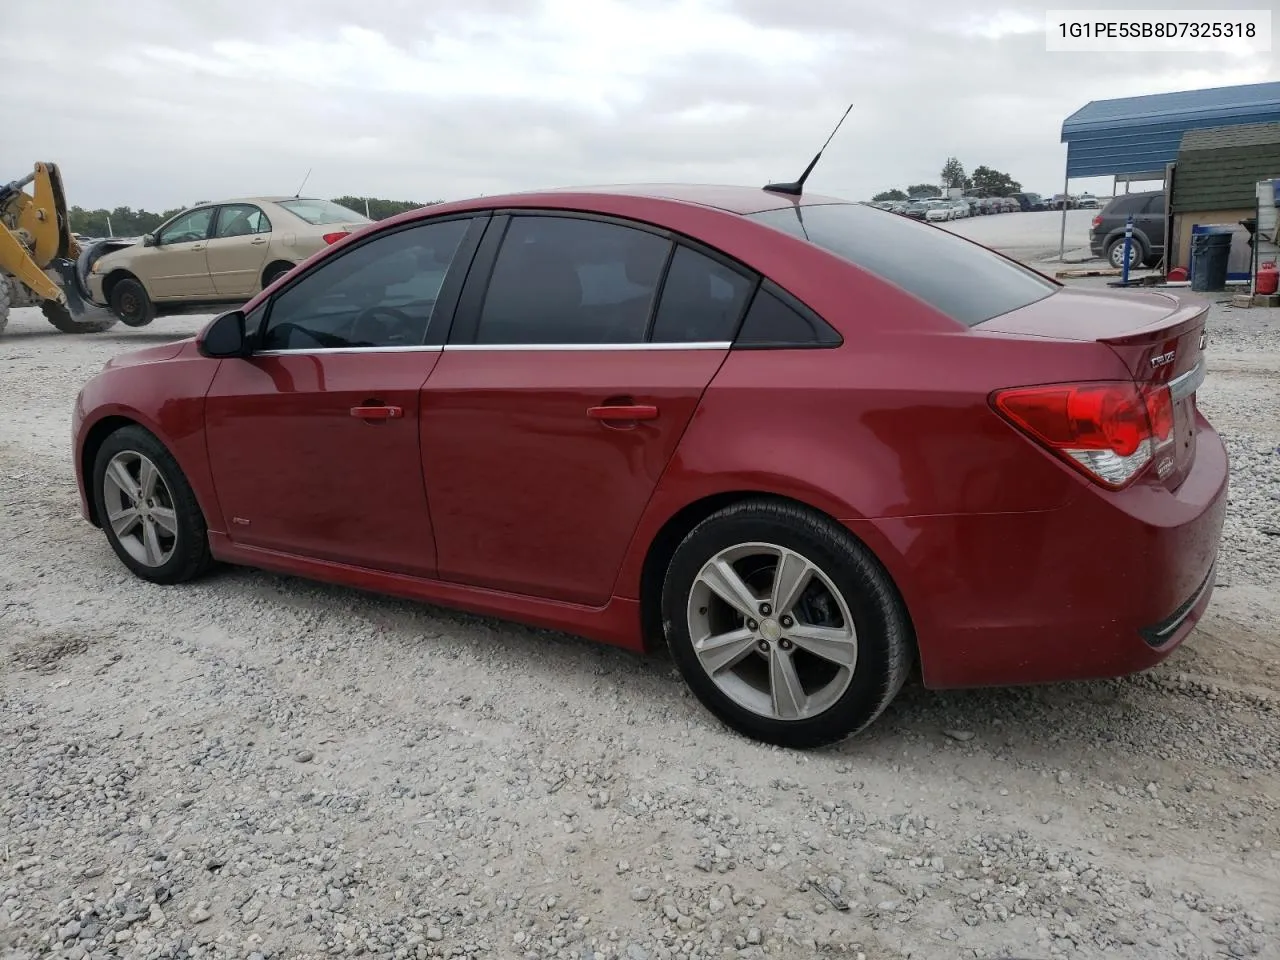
982,182
127,222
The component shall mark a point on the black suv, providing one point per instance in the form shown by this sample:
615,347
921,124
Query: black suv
1106,239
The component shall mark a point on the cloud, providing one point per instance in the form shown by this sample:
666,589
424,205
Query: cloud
155,104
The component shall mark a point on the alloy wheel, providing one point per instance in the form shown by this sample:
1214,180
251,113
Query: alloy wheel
772,631
140,509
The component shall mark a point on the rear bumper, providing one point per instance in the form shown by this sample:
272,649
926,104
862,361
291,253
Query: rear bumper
1108,585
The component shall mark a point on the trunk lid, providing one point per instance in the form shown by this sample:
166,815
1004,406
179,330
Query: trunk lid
1158,336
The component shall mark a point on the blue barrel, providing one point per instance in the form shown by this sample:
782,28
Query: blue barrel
1210,252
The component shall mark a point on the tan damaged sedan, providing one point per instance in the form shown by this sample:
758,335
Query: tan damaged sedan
215,255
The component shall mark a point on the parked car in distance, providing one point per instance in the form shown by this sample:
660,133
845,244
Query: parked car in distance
1029,202
566,396
1087,201
213,255
1106,234
938,210
915,209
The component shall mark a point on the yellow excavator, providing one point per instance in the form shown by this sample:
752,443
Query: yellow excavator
41,263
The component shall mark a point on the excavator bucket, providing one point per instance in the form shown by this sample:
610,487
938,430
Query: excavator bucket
73,312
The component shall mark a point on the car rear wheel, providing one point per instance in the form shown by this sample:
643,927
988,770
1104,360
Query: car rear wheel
1115,253
129,302
274,273
147,508
784,625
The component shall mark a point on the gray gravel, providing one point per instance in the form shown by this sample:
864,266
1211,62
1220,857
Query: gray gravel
258,767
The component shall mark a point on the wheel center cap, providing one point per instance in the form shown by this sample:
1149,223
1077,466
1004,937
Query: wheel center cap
770,630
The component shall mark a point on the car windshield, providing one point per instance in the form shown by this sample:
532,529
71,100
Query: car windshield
962,279
317,212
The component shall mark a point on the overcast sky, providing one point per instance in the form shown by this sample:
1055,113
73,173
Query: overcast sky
160,103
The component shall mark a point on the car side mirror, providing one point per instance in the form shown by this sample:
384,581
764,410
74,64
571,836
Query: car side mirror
148,239
225,337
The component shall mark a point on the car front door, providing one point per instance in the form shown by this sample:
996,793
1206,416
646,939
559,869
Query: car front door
237,250
570,375
313,439
176,267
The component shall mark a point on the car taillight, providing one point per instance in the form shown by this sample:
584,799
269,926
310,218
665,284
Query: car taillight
1108,431
334,237
1097,221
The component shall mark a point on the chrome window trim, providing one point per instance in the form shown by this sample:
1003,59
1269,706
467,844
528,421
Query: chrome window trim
312,351
309,351
693,345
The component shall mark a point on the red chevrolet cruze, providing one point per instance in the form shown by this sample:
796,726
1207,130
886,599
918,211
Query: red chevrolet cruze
803,442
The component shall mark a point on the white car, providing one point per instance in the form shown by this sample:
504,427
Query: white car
960,209
938,210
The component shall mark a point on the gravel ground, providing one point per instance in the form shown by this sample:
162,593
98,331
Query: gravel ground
258,767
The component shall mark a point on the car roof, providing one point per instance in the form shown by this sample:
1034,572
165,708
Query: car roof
733,199
215,203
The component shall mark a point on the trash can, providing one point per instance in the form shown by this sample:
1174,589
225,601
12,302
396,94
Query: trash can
1209,254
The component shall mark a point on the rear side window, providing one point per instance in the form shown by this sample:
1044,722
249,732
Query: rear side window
702,300
573,281
778,320
961,279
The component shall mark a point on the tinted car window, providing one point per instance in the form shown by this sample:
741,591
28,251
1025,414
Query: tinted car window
241,220
188,228
317,212
773,322
381,293
702,300
959,278
569,280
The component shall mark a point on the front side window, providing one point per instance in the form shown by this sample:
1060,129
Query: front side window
572,281
963,280
187,228
382,293
241,220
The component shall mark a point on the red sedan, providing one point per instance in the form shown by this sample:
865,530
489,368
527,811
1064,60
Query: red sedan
804,442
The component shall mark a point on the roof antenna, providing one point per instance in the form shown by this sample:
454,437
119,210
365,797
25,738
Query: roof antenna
302,184
794,189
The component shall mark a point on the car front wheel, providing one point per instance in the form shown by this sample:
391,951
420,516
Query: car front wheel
130,302
784,625
148,509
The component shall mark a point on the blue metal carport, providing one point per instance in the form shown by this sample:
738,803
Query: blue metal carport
1135,138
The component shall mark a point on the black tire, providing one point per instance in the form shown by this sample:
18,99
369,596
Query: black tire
190,546
130,302
274,273
884,641
63,320
1115,253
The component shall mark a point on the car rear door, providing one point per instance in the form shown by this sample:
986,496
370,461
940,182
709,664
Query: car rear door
314,439
237,249
580,351
1149,218
177,268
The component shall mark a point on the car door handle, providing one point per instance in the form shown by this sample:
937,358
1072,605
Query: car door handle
613,412
258,241
377,413
197,246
